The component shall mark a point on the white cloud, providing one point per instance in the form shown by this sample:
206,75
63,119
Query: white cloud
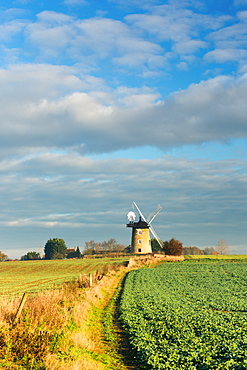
225,55
9,30
140,43
229,43
56,35
174,23
50,114
75,87
57,194
53,18
183,66
242,15
190,46
226,35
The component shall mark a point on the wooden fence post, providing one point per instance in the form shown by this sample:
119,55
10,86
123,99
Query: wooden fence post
20,308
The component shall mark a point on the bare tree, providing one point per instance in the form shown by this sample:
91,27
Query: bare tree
89,247
209,250
3,257
222,247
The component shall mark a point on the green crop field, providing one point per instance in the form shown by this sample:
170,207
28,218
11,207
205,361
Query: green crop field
17,277
190,316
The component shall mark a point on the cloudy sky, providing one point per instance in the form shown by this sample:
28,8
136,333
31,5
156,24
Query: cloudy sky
108,102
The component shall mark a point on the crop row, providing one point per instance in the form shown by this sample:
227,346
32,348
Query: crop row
187,316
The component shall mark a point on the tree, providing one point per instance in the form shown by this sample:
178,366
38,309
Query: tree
173,248
75,254
119,248
192,251
89,247
127,249
55,249
155,245
31,256
222,247
209,250
3,257
111,246
107,246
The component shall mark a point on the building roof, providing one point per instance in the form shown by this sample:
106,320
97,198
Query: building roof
139,225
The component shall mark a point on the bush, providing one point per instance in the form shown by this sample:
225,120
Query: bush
173,248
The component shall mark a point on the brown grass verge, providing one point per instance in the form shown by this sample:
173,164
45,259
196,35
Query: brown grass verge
62,329
57,328
152,260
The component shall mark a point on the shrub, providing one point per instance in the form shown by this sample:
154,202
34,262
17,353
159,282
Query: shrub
173,248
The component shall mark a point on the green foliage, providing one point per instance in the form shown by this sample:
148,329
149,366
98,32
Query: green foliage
55,249
31,256
75,254
173,247
187,316
155,246
127,249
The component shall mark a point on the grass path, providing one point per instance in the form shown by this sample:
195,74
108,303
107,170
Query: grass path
112,344
114,336
98,343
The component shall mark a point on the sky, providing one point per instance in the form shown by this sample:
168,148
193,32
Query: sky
108,102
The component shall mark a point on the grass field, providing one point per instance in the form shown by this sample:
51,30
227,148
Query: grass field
180,315
17,277
188,315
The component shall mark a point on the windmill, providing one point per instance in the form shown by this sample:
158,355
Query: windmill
140,240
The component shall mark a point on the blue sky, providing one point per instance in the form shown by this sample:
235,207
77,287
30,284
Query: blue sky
104,103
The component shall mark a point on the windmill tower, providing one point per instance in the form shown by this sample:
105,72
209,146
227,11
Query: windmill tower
140,239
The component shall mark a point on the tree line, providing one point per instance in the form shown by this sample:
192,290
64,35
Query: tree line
107,246
56,249
175,248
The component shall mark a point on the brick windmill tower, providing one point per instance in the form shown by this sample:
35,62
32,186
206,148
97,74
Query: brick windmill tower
140,239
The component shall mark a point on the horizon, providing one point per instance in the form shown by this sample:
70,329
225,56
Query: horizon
103,104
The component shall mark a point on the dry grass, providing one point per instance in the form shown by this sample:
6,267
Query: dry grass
59,328
8,307
38,332
87,339
153,259
83,363
62,329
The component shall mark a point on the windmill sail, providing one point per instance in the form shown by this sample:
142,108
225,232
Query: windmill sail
156,236
151,218
155,212
140,213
